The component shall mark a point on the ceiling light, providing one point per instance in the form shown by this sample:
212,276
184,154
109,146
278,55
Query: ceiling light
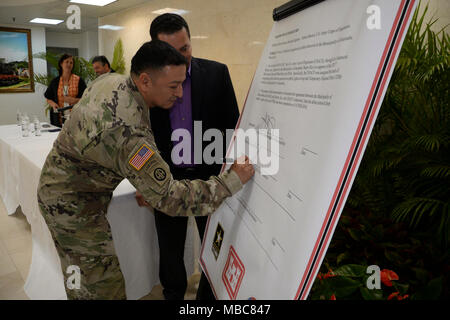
170,10
99,3
46,21
110,27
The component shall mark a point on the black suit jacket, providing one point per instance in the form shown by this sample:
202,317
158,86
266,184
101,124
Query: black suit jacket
213,102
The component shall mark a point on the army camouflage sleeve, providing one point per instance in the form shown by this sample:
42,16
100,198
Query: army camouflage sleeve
139,161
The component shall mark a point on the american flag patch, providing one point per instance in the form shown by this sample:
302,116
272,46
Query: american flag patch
141,157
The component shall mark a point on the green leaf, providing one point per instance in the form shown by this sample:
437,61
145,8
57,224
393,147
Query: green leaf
431,292
342,257
402,288
351,270
375,294
393,256
421,274
355,234
378,232
343,286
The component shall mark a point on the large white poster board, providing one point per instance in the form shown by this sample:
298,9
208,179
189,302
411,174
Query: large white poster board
320,81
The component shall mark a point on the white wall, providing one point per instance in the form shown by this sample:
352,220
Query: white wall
30,102
63,39
86,42
89,44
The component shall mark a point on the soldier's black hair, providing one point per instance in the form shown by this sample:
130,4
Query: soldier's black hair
101,59
168,23
155,55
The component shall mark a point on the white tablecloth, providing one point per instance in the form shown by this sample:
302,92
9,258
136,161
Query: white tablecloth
133,228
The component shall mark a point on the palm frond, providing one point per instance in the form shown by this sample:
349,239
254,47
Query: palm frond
415,209
118,62
437,171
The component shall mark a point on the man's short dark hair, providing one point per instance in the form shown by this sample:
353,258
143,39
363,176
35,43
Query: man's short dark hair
155,55
101,59
168,23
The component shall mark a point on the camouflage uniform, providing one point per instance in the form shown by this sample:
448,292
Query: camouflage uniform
94,152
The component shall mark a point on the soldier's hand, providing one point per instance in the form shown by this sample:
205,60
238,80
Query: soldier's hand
140,200
243,168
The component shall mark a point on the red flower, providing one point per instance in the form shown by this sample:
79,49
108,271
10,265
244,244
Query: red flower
333,297
386,277
396,295
393,295
330,274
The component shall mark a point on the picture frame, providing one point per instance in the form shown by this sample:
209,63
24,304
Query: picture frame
16,61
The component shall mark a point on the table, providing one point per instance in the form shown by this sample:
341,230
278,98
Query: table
133,227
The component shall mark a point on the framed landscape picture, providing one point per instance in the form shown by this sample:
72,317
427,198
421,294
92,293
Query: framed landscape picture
16,63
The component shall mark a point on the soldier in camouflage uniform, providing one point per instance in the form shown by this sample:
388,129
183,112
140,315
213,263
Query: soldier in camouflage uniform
107,139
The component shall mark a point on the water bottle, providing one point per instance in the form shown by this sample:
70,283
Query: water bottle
37,126
25,126
19,118
31,126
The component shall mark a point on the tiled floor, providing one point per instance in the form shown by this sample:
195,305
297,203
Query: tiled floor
15,259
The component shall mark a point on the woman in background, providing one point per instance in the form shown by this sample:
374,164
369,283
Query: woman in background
64,90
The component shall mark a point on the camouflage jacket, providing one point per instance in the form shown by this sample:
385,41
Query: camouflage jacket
107,139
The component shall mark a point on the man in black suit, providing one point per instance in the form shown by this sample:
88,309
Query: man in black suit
208,96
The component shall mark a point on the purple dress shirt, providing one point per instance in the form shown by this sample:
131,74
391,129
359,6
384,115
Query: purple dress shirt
181,117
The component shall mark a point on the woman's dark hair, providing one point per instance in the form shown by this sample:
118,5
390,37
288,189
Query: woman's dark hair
168,23
155,55
63,57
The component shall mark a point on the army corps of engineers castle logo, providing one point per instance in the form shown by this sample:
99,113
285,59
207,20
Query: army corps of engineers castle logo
233,273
